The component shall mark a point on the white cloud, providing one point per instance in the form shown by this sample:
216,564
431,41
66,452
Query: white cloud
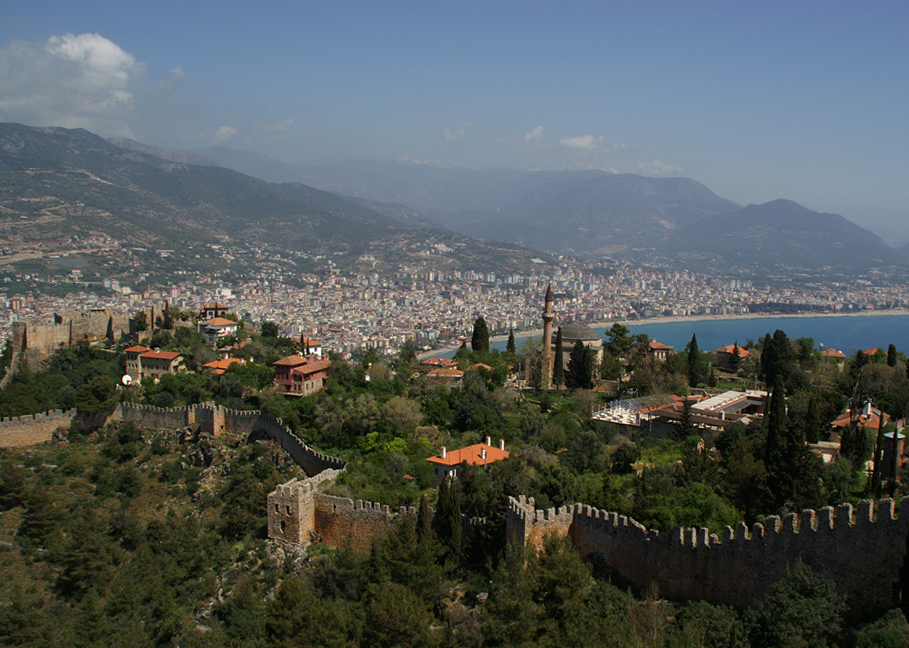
71,80
223,134
455,134
584,142
535,134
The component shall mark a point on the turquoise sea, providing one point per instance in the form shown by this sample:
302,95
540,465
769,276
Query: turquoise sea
847,333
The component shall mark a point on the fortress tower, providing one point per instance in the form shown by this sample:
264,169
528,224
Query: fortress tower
546,372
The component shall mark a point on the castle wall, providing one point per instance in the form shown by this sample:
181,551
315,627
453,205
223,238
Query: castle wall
33,429
44,339
218,420
340,521
861,550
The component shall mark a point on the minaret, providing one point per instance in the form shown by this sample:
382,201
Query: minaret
546,372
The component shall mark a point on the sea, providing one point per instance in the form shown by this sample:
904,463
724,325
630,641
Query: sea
847,333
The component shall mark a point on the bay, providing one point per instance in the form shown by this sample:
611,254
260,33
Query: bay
847,333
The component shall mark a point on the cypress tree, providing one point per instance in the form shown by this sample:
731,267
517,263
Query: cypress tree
813,422
558,368
447,522
479,340
775,448
580,367
510,347
424,520
891,356
694,362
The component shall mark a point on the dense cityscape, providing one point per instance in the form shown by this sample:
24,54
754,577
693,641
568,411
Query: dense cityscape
349,309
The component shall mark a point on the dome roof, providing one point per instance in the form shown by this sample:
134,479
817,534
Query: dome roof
579,331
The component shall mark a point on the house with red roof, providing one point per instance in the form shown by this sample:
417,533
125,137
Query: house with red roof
659,351
300,375
218,367
445,464
216,328
142,362
730,358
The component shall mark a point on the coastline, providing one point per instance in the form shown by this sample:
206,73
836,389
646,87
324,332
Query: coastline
671,319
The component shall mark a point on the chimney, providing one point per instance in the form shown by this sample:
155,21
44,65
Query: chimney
488,441
501,444
483,454
443,452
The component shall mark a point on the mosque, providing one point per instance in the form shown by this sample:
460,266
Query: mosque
572,332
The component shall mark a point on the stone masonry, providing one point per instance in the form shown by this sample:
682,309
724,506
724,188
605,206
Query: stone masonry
861,549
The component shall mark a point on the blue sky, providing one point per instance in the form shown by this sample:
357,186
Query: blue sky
801,100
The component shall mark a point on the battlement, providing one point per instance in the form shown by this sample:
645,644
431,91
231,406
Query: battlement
218,420
860,548
32,429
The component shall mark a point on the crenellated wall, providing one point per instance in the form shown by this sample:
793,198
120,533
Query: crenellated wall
298,513
861,549
217,420
32,429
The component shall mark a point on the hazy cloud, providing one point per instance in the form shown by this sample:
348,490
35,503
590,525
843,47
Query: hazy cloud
584,142
535,134
454,134
223,134
71,80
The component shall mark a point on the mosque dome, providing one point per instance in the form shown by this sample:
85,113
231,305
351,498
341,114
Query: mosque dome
574,331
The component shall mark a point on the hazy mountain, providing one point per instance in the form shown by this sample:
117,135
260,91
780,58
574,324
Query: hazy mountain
149,200
185,157
60,185
597,215
783,233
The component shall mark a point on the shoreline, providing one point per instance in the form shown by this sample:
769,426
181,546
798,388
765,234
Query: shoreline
674,319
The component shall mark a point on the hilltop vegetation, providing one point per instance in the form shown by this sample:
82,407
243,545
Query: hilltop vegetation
137,537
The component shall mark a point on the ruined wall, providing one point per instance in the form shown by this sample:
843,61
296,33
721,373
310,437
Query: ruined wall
43,339
33,429
155,418
860,551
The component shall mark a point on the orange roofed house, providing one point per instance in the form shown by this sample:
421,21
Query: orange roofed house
217,327
301,375
142,362
480,454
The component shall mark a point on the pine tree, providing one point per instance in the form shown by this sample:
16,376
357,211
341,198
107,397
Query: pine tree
479,341
558,367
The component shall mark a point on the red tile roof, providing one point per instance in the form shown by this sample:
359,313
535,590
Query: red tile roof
161,355
659,346
743,353
218,367
220,321
137,349
472,455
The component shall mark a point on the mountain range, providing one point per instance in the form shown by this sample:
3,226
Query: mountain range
147,196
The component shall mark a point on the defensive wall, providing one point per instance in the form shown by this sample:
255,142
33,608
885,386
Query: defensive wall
861,549
32,429
38,341
218,420
298,513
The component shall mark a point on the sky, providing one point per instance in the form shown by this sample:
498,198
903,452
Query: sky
801,100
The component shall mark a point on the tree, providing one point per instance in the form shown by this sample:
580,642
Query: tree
479,341
775,446
510,348
139,322
447,521
802,609
891,356
695,368
580,367
269,330
813,422
558,368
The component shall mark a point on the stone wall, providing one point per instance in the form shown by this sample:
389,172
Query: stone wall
861,549
33,429
218,420
37,341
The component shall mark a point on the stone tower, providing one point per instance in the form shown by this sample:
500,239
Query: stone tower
546,369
